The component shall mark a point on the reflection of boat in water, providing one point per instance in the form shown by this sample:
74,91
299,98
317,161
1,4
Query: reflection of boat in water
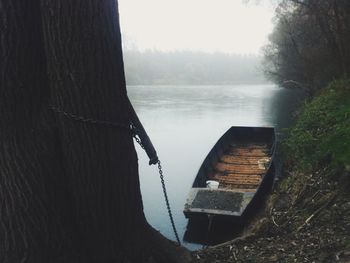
223,229
234,175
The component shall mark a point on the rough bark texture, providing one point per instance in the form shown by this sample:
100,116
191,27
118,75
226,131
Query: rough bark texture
100,161
31,179
69,190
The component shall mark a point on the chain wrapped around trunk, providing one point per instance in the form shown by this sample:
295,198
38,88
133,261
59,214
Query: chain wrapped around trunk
136,130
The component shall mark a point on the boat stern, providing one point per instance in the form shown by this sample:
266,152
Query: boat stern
219,202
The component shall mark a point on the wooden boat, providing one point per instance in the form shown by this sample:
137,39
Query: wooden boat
242,164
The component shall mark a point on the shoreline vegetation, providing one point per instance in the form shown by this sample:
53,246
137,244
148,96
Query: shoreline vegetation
307,216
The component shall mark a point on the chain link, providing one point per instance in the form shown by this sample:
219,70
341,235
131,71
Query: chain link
167,202
137,139
89,120
161,175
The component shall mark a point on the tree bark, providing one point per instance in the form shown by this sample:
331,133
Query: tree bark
32,189
86,79
69,189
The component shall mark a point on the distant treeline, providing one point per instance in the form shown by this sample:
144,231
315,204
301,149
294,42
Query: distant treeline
186,67
310,44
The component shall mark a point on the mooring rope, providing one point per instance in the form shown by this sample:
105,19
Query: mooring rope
130,127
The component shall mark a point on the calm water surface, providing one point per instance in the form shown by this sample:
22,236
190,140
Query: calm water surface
184,122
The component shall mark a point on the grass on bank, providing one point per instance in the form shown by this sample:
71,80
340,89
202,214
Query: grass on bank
321,135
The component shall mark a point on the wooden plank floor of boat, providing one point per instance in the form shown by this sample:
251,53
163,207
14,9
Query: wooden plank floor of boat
242,167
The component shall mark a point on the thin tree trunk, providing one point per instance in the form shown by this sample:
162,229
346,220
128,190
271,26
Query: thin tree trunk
340,36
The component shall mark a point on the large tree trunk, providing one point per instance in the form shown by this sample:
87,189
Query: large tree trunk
69,189
32,182
86,79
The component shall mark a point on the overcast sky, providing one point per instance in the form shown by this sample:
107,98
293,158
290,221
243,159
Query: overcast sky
202,25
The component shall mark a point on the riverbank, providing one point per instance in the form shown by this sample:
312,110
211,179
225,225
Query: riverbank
307,217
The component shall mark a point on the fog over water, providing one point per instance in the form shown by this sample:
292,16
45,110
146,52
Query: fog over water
191,68
184,122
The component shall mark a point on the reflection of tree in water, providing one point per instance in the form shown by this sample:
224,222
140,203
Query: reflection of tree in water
282,106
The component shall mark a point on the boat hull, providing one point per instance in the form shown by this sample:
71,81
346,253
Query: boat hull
238,162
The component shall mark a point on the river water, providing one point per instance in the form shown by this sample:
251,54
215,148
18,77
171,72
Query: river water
184,122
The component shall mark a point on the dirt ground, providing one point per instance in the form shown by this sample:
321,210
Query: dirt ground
306,219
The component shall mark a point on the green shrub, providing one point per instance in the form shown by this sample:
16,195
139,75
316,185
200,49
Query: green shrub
321,134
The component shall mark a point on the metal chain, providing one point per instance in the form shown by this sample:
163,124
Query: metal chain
167,202
160,170
137,139
89,120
